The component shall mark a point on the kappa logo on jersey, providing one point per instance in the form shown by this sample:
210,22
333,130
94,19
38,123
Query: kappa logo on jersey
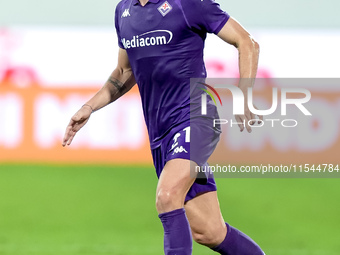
151,38
165,8
125,13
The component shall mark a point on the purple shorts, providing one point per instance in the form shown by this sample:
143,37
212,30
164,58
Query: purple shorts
196,141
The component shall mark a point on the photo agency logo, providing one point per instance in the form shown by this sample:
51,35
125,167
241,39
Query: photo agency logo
240,101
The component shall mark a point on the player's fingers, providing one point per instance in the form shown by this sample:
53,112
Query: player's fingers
77,121
253,119
67,135
71,138
248,119
248,127
64,142
259,116
240,121
260,119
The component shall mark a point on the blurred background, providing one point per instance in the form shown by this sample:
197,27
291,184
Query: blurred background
97,197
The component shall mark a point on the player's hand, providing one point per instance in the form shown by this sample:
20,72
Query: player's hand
248,119
76,123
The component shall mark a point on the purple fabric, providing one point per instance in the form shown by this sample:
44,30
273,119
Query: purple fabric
237,243
177,233
164,41
174,145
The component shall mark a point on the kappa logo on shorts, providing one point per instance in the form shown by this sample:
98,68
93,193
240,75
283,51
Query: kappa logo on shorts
179,149
176,147
175,140
165,8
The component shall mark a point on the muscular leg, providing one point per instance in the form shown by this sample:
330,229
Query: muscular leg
209,229
205,218
174,183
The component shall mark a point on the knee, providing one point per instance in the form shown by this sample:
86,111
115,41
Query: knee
168,200
210,237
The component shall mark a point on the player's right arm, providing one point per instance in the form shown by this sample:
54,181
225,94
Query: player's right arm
120,81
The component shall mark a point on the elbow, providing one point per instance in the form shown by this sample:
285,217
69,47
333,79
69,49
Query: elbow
255,46
249,44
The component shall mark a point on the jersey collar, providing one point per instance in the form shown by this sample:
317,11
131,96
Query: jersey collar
135,2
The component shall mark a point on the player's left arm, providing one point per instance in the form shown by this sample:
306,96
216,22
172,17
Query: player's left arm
249,50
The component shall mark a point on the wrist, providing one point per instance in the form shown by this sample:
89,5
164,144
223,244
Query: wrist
88,106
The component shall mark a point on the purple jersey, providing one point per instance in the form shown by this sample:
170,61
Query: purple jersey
164,41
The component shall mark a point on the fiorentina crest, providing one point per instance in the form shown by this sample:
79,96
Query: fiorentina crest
165,8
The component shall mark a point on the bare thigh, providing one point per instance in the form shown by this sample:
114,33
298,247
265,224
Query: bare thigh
173,185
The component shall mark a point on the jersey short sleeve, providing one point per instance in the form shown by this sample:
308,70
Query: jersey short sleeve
117,16
204,15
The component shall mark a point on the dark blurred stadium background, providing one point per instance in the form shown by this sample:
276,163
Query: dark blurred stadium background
97,197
